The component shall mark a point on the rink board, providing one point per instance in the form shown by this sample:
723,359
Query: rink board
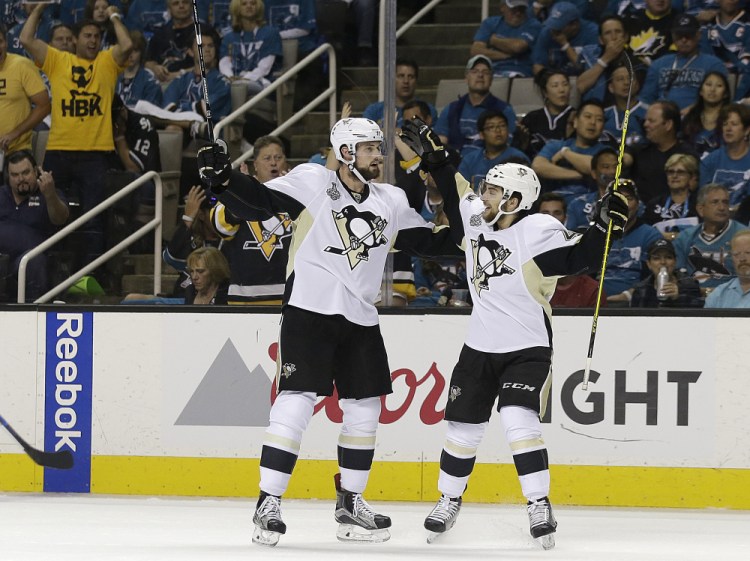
177,404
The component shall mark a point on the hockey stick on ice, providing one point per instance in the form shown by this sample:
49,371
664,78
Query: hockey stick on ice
595,320
57,460
202,64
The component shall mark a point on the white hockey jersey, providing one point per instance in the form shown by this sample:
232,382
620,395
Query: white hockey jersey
509,289
341,239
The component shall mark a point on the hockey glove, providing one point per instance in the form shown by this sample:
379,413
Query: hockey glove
425,142
612,207
214,166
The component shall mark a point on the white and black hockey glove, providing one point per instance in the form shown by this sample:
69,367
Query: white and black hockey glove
425,142
612,207
214,166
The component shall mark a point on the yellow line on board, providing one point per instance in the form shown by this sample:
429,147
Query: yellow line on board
402,481
19,473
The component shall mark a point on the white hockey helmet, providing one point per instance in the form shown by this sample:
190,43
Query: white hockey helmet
513,179
350,132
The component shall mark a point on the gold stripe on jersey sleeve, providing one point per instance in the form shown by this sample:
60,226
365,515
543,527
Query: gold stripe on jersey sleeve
300,228
462,186
540,287
219,219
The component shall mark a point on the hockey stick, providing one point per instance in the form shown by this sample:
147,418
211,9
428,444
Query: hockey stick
608,239
57,460
202,64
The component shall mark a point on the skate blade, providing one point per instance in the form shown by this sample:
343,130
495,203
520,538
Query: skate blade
265,537
547,542
354,533
432,536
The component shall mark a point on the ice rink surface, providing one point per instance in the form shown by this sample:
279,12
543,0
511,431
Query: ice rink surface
82,528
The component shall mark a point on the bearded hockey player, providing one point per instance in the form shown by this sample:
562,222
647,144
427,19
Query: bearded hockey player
513,262
344,226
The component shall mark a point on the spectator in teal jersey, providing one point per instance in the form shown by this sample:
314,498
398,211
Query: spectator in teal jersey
507,39
493,131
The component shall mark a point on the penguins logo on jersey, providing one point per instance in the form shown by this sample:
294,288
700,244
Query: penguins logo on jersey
489,261
269,234
287,369
454,392
359,232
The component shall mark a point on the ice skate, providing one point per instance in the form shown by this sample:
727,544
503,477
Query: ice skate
267,520
443,517
357,521
542,523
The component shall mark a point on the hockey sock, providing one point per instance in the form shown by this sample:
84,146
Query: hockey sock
290,414
356,446
523,431
458,457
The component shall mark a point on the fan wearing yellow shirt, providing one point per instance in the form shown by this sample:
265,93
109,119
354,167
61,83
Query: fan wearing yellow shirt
82,86
23,99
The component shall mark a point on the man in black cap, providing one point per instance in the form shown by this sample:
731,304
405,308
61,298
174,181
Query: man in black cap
627,256
677,290
678,76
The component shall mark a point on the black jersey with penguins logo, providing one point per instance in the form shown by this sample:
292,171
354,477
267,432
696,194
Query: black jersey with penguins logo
257,252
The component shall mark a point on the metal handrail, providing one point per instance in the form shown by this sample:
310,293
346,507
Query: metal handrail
399,32
154,225
329,93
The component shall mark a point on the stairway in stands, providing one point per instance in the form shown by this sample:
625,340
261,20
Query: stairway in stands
440,48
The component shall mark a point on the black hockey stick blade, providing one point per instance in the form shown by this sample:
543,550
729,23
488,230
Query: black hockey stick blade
57,460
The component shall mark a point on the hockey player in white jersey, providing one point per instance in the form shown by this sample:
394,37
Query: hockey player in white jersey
344,226
513,262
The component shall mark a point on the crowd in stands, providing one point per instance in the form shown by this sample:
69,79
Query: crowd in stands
117,71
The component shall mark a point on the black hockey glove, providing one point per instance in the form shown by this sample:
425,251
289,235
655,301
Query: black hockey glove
425,142
214,166
613,206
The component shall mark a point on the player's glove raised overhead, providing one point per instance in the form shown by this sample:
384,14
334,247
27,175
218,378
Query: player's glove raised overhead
612,207
425,142
214,166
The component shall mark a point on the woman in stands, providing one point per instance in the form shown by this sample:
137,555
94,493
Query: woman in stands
209,273
137,82
701,127
728,164
551,121
97,10
252,51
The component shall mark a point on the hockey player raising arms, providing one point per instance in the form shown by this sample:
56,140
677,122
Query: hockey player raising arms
513,262
344,226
